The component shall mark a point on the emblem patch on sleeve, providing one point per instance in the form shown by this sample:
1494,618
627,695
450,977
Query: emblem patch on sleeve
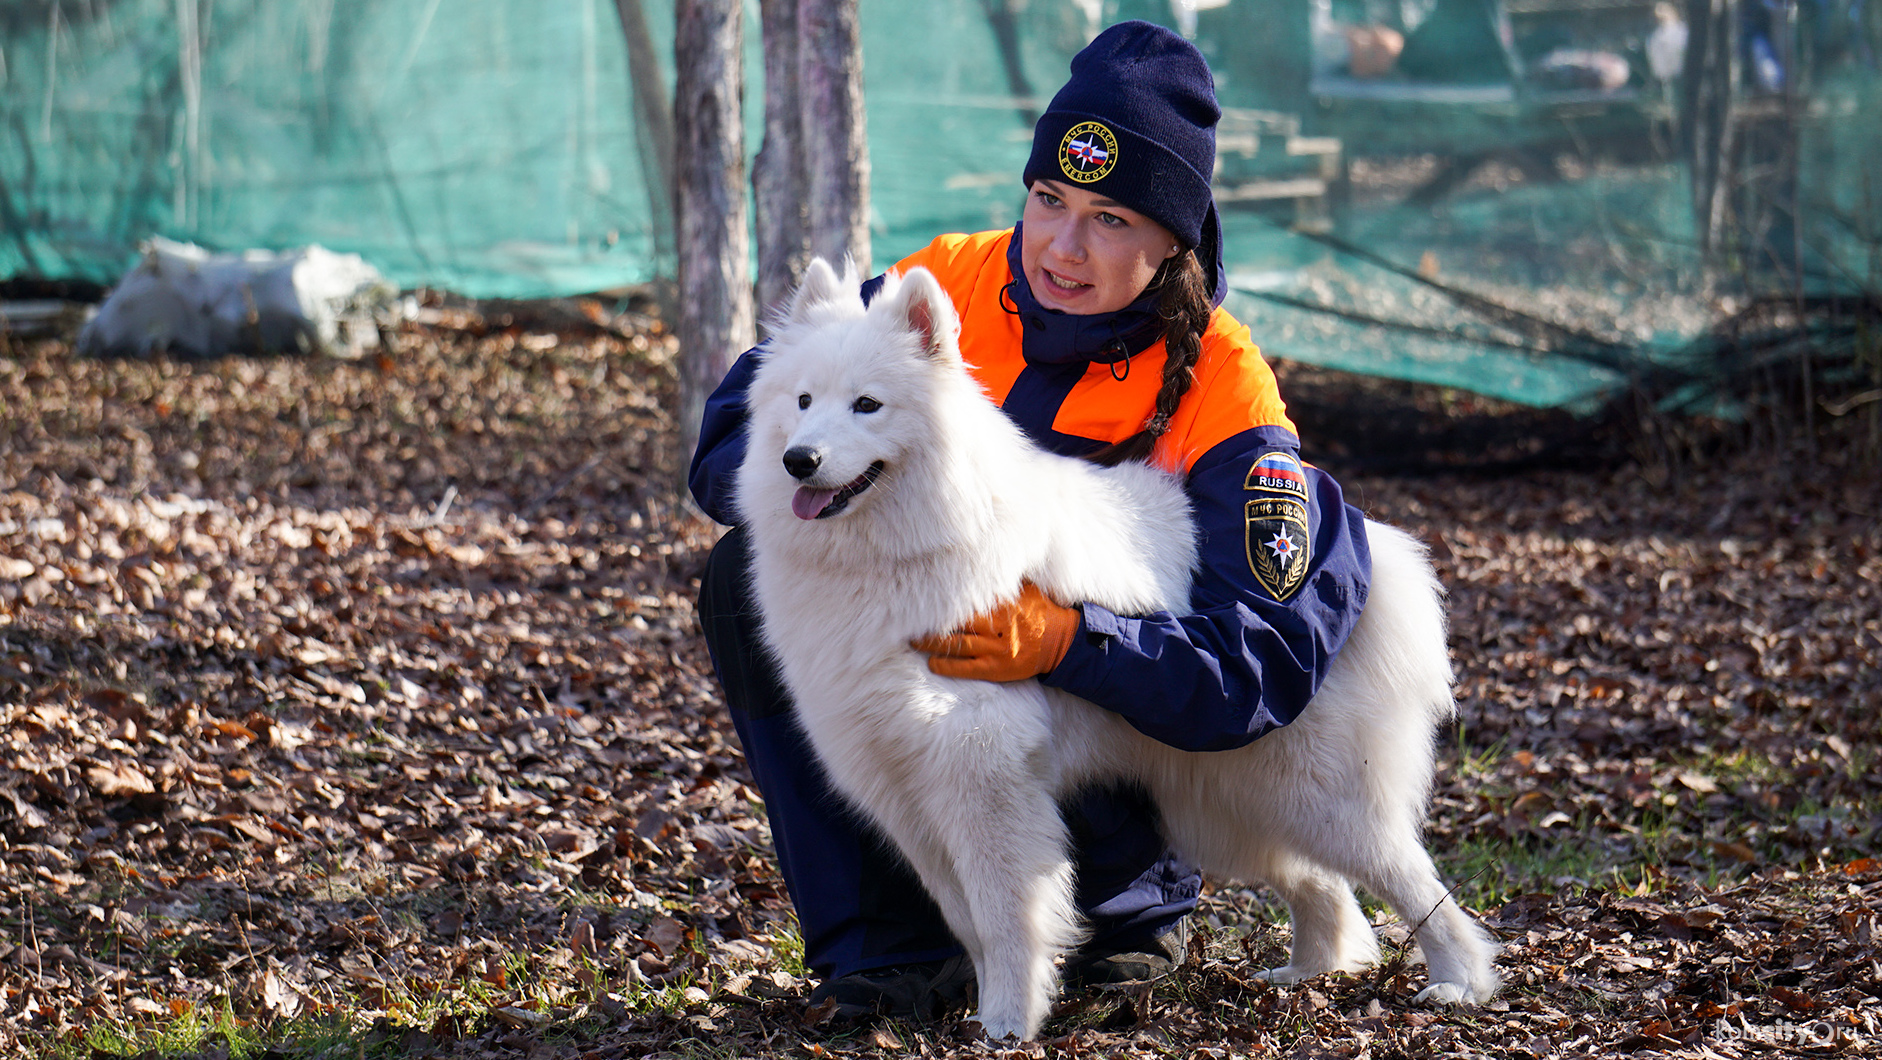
1278,472
1278,544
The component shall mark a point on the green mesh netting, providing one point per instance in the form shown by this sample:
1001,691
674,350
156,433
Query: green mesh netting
481,146
1487,213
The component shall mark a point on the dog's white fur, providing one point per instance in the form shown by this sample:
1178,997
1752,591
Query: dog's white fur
964,775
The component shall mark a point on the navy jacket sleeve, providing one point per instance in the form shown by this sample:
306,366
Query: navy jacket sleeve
1243,662
722,440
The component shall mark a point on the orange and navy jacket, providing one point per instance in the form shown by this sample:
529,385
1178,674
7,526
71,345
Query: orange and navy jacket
1284,565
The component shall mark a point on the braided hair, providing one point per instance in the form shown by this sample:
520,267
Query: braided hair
1185,307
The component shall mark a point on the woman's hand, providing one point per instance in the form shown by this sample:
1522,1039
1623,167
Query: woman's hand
1016,640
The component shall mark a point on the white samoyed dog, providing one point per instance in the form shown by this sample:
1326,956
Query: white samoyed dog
887,499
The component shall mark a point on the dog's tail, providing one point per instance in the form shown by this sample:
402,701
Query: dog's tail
1403,626
1395,673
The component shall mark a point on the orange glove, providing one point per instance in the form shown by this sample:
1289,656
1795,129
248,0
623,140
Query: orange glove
1018,639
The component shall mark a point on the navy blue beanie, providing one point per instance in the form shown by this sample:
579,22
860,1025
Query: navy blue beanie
1136,123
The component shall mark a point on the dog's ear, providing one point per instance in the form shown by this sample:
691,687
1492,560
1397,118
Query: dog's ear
925,307
821,284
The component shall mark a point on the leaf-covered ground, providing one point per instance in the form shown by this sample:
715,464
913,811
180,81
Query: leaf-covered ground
358,709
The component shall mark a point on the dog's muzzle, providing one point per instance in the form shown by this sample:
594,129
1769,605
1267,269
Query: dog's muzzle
812,502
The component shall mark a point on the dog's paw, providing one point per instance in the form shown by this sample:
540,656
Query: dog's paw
977,1027
1478,986
1285,975
1444,994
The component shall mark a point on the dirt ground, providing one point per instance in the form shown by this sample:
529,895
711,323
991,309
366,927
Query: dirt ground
358,709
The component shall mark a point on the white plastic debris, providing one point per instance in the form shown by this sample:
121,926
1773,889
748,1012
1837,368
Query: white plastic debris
32,319
1666,45
188,301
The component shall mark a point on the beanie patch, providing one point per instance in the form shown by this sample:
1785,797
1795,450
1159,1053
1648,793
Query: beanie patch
1088,152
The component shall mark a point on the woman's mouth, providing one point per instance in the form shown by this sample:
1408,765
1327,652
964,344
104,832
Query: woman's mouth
1062,283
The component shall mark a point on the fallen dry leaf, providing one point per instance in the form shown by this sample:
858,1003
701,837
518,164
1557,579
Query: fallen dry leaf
118,778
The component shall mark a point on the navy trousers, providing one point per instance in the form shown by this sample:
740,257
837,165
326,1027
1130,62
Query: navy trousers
858,903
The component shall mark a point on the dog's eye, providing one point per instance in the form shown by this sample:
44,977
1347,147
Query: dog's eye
866,404
803,401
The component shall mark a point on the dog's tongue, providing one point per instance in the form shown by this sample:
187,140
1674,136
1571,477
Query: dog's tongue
808,502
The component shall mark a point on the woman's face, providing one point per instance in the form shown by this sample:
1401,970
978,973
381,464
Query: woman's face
1083,253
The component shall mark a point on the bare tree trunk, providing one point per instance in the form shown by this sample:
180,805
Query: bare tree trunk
714,319
1709,91
779,183
830,66
653,118
811,180
1005,22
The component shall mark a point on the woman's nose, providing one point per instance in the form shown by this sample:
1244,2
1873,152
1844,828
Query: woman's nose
1068,242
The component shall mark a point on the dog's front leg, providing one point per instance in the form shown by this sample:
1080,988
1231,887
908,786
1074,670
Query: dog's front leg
985,837
1009,849
911,825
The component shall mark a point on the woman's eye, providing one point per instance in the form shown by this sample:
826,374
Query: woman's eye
803,401
1047,198
866,404
1112,220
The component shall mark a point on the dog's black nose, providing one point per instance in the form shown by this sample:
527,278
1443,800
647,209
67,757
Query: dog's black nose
801,461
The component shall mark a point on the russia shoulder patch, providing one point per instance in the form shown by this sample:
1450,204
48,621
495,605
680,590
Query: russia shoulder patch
1278,472
1278,544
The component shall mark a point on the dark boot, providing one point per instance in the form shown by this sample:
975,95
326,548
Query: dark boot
1120,961
905,991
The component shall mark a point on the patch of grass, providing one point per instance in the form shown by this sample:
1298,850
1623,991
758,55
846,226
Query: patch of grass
581,900
787,946
424,1005
1776,811
695,1049
665,999
567,993
1477,764
198,1028
1488,871
1713,818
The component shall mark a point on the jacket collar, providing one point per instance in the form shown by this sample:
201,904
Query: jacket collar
1051,336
